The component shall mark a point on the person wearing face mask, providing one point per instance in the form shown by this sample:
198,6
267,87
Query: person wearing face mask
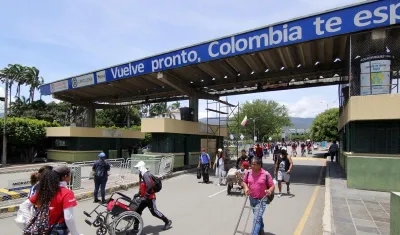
147,196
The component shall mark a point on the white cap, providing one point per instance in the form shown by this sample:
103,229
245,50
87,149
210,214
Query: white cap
283,148
140,164
219,150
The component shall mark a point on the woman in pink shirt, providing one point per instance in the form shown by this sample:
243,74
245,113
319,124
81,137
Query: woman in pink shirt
257,184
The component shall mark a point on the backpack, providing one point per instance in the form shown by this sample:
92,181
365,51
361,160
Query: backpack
157,184
39,225
99,171
270,197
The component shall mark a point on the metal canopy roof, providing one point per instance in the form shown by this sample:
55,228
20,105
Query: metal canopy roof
243,74
308,60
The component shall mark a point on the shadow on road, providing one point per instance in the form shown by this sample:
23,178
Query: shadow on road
155,230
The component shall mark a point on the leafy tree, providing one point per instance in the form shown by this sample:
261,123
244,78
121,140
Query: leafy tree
324,126
270,117
26,135
118,117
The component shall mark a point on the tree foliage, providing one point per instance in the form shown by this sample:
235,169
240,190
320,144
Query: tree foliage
270,117
63,113
26,135
324,126
21,75
122,117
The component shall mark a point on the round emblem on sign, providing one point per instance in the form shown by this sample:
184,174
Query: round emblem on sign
74,83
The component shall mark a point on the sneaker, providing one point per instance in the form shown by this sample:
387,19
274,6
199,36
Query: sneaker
103,202
218,184
261,232
279,194
96,201
168,225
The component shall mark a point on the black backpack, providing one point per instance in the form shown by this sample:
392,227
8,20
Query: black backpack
99,171
157,184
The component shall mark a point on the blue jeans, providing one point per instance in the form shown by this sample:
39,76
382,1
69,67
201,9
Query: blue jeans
100,183
258,223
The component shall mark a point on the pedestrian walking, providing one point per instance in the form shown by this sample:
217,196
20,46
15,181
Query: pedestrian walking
219,166
204,164
148,196
258,185
55,203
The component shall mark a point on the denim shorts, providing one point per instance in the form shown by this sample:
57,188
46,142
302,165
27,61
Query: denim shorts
59,229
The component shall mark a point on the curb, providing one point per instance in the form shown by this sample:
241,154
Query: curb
87,195
327,216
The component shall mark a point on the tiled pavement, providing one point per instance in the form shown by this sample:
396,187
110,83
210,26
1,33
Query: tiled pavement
354,211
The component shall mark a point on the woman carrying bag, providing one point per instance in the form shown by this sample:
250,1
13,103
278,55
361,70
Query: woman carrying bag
219,166
55,203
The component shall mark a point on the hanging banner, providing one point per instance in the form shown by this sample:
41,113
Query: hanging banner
375,75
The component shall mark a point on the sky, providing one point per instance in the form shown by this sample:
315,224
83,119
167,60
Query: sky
69,37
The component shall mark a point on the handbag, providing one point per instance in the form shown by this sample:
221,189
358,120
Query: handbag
198,173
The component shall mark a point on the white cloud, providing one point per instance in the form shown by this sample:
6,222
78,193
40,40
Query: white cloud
66,38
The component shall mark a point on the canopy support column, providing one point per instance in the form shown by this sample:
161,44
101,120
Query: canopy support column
194,104
91,116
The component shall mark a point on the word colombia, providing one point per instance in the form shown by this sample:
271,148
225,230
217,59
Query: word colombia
273,35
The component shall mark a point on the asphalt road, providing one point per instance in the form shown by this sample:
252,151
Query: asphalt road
197,208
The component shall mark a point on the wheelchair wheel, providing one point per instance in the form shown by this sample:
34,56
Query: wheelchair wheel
124,223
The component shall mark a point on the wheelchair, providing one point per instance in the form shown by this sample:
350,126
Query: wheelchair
119,210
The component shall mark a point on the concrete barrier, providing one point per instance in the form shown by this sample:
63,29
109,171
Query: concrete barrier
395,213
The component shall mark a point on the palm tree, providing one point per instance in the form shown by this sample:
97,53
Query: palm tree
14,72
33,80
21,81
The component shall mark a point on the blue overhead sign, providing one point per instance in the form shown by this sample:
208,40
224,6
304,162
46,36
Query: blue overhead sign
343,21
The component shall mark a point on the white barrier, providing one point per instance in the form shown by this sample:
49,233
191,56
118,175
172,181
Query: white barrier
166,165
15,181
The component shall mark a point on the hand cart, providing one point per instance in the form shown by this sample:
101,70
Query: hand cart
248,217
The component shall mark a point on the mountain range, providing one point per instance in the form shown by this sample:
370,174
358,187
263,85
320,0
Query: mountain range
298,123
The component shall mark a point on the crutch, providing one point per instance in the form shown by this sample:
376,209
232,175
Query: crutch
258,213
240,218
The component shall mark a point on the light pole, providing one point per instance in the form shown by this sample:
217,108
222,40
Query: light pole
5,99
254,128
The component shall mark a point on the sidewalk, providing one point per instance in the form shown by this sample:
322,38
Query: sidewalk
354,211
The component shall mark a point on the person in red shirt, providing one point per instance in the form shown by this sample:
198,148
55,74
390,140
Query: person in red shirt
147,196
53,189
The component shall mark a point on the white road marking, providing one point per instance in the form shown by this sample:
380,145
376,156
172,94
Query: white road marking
217,193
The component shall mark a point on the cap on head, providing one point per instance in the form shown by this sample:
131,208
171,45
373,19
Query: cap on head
63,170
219,150
140,164
102,155
245,165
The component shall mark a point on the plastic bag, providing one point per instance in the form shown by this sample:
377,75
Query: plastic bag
23,218
275,181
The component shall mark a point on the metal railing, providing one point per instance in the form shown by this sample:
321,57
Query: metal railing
15,182
122,172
